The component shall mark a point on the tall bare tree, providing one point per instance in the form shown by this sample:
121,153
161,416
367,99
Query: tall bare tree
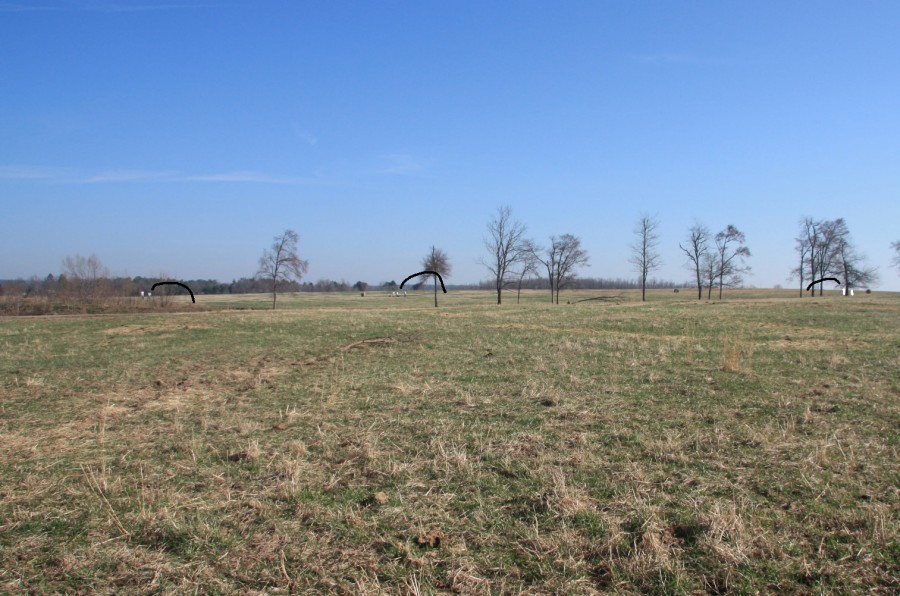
820,238
709,266
850,264
697,247
560,260
281,262
570,256
162,294
895,261
730,253
828,235
831,252
547,258
437,261
802,247
644,256
87,276
811,230
528,264
505,247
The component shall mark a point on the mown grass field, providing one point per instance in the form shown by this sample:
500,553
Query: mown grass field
749,445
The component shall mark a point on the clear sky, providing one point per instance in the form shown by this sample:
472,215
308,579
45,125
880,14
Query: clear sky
181,136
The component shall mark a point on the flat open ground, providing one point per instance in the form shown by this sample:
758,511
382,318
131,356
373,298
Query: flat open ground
607,446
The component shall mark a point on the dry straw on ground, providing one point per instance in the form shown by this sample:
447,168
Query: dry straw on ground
378,446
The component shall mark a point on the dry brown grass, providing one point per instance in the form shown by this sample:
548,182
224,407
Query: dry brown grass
595,449
737,354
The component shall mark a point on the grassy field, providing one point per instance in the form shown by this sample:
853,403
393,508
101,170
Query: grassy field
347,444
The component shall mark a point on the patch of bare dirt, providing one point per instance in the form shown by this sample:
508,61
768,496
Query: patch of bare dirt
431,538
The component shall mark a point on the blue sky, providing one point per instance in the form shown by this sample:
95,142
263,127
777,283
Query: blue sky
181,136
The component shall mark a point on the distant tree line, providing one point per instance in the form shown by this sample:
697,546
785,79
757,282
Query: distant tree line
588,283
58,287
96,290
105,287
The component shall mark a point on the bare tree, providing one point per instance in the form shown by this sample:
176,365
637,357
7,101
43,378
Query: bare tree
710,269
829,251
644,256
730,252
828,235
697,248
87,276
810,232
505,247
560,260
281,263
570,256
528,264
437,261
547,258
819,239
802,247
895,261
850,264
161,294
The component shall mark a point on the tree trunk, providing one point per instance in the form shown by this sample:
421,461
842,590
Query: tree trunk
699,285
498,294
812,268
435,290
274,283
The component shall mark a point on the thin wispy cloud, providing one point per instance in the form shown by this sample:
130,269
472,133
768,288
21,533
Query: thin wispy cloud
303,134
399,163
665,58
128,176
682,59
248,176
56,175
25,172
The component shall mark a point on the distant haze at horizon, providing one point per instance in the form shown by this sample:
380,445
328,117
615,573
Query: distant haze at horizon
180,138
